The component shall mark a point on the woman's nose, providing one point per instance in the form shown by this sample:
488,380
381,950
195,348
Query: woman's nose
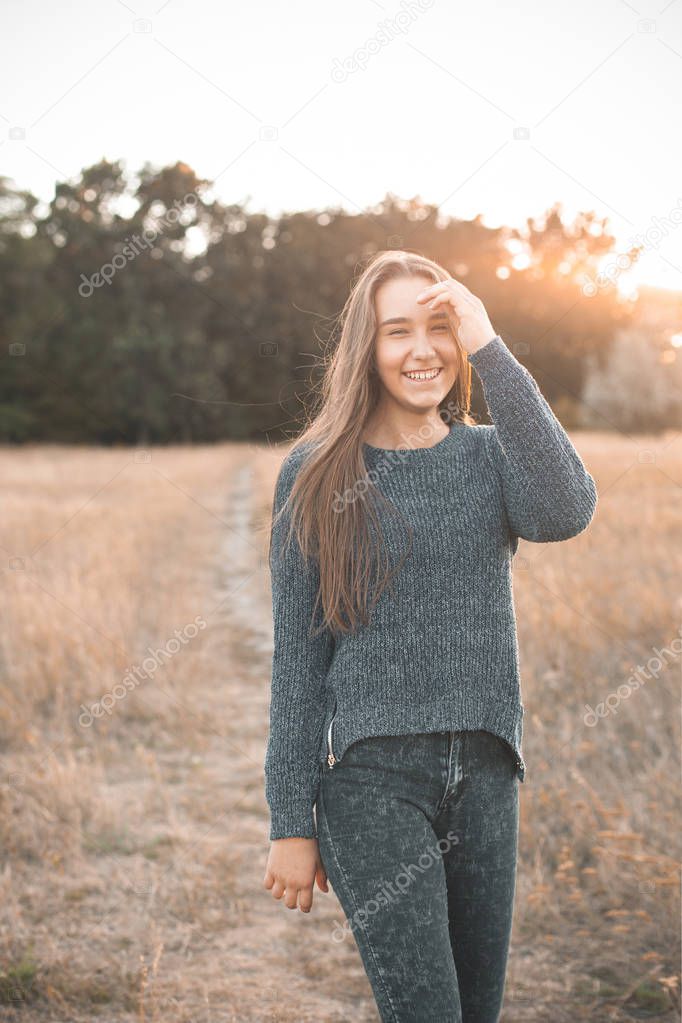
423,344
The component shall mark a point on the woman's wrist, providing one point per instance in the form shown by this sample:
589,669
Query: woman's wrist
484,344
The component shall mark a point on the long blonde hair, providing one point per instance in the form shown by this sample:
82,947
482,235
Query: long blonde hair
353,567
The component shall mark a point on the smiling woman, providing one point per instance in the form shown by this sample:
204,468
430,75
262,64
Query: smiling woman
416,355
396,709
416,359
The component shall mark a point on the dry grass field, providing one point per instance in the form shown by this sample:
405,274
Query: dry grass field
134,841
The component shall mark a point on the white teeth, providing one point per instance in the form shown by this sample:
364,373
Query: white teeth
425,375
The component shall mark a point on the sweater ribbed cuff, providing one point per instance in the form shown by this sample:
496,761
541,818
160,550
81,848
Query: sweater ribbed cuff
294,820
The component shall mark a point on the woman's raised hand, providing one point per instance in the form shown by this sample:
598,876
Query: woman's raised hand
470,322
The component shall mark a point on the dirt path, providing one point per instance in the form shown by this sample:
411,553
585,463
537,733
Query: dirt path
137,860
309,976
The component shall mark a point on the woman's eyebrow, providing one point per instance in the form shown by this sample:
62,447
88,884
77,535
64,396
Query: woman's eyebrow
406,319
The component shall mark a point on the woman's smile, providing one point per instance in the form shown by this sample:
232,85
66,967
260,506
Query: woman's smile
418,375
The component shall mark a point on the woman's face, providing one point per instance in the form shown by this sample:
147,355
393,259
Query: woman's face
411,337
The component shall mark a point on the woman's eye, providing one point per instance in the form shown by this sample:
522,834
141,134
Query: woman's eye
401,330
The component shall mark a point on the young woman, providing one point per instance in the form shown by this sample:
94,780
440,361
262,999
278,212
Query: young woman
395,704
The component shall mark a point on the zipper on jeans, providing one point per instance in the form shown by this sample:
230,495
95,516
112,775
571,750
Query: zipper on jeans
331,759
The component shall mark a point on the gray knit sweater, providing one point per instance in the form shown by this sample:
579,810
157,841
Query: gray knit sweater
440,651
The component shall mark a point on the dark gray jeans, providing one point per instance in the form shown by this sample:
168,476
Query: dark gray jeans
418,836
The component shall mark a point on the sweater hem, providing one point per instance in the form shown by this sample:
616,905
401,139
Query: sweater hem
342,731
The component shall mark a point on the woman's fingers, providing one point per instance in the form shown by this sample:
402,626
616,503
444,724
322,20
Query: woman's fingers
428,293
299,897
465,310
306,899
278,889
291,897
454,306
461,305
447,296
321,878
295,896
450,285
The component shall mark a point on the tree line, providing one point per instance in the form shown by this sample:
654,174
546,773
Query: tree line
140,309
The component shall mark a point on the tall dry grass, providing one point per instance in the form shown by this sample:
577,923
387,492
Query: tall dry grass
134,845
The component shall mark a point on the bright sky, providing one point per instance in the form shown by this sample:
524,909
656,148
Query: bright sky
477,107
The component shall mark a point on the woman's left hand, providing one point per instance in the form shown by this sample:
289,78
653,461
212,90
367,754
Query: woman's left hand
470,322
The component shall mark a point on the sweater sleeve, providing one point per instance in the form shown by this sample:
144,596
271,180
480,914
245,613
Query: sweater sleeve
548,492
299,668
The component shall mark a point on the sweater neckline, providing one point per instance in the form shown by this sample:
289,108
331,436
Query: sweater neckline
412,456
